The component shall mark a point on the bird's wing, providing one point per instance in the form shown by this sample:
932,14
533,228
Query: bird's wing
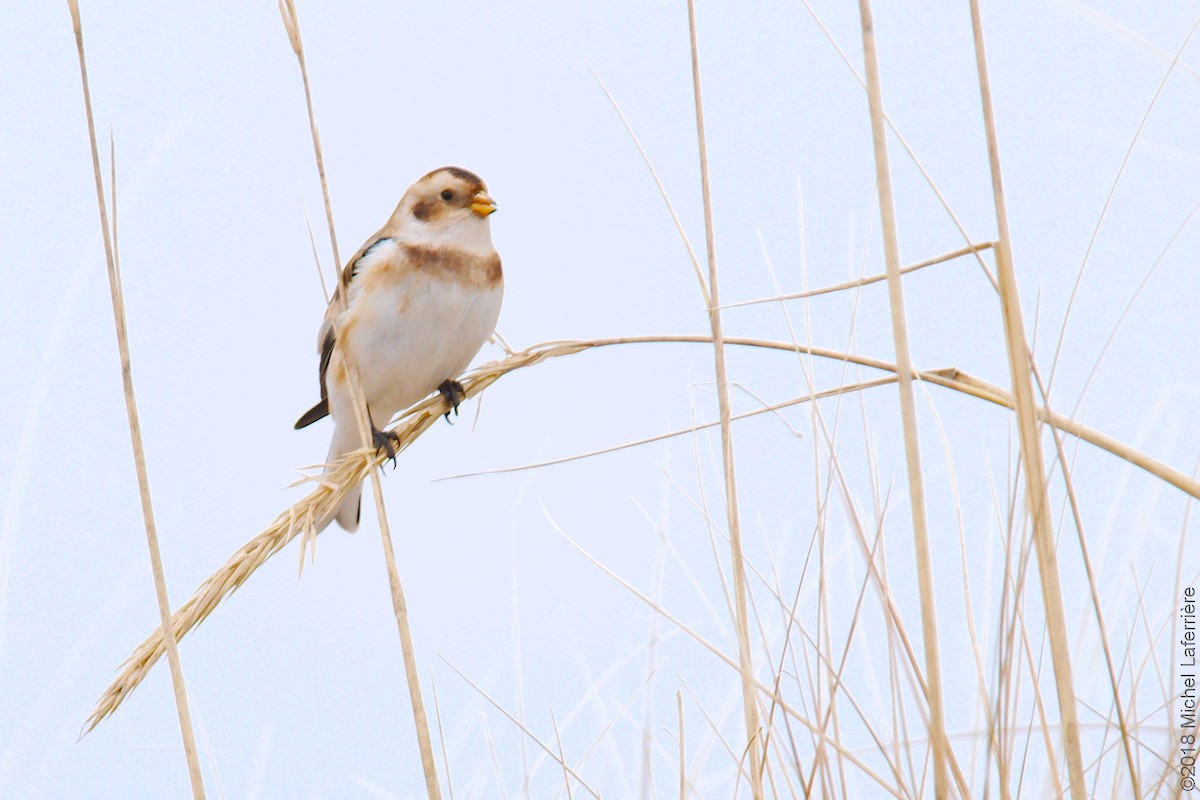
326,338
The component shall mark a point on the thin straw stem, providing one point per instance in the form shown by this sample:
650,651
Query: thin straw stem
437,710
840,287
545,748
135,430
908,413
741,619
1029,434
682,771
1112,190
662,190
287,10
562,757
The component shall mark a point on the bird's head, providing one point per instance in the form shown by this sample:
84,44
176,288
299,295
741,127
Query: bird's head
449,205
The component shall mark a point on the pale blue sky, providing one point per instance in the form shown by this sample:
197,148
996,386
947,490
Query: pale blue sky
296,684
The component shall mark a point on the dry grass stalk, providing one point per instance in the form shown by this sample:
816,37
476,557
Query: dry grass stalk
1137,134
1094,593
562,758
437,712
287,10
976,387
912,154
767,691
589,697
662,190
1094,590
773,408
682,771
749,698
545,748
356,466
822,434
908,413
135,427
1029,432
839,287
968,604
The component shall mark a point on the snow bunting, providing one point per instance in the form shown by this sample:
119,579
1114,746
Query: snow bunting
423,295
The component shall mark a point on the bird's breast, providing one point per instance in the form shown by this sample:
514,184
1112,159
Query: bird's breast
417,321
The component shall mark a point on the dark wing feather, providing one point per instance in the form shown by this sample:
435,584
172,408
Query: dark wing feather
326,356
321,409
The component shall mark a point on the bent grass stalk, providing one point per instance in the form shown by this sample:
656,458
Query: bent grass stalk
332,487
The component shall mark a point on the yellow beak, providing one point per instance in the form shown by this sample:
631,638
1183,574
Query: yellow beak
483,204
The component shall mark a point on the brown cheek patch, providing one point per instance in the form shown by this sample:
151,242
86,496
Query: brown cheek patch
423,210
458,265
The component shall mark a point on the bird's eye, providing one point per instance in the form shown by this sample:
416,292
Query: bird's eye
448,195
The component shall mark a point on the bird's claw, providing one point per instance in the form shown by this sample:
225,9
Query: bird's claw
453,393
387,441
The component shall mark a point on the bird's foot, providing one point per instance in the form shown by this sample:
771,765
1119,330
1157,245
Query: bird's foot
453,393
387,441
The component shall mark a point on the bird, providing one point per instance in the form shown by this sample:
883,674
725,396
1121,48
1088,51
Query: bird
422,297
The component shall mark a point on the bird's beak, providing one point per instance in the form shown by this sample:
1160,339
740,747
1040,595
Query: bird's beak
483,204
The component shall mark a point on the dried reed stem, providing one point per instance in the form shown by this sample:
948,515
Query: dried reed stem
437,711
562,757
135,428
908,412
287,10
545,748
354,467
1114,680
741,619
773,408
767,691
912,154
662,190
839,287
1029,434
682,771
1087,253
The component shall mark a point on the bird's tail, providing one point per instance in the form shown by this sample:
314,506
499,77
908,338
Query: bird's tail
345,440
350,511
